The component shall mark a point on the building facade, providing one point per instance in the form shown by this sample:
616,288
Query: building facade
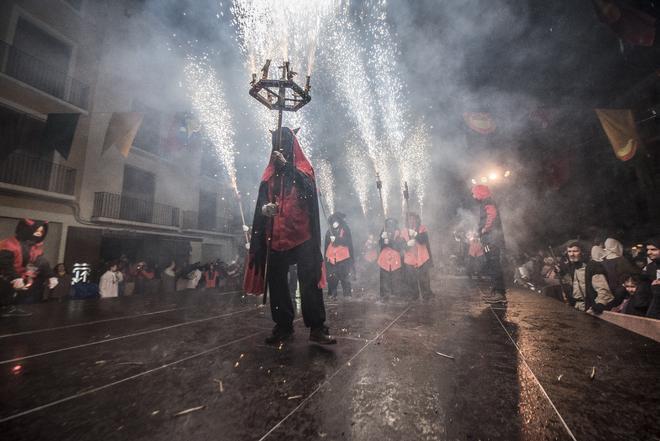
160,202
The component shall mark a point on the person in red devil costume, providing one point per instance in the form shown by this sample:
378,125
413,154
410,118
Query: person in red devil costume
492,239
389,260
286,220
417,260
339,261
22,266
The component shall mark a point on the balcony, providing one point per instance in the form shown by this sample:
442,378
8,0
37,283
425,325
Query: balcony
41,75
116,206
34,172
192,221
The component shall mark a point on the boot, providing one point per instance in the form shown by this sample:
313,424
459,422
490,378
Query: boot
321,335
13,311
495,298
279,335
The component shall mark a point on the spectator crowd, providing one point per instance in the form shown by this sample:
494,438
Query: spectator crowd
603,276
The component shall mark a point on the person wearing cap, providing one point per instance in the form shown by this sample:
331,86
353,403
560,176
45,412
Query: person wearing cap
492,239
590,289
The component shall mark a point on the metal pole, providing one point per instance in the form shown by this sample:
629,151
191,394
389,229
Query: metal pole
379,186
272,220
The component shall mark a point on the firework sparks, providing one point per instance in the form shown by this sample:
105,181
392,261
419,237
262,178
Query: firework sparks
281,30
354,92
360,174
419,149
327,183
209,104
389,88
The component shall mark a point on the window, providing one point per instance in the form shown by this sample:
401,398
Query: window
19,131
138,183
148,136
39,59
208,207
137,195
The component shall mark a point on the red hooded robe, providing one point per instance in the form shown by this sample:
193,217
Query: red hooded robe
296,222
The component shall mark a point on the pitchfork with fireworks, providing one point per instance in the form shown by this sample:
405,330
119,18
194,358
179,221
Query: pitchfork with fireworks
282,95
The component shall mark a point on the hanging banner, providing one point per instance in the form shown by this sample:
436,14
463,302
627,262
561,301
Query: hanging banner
480,122
619,126
122,130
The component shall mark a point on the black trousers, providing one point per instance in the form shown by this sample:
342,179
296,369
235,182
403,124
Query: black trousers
493,268
311,296
293,282
418,281
339,273
391,283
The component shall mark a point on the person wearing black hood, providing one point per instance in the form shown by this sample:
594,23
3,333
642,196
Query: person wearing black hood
417,260
339,257
286,231
492,239
22,266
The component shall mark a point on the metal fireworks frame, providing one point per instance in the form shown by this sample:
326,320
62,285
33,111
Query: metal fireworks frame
272,93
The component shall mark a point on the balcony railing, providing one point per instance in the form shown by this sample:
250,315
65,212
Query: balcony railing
40,74
34,172
116,206
192,221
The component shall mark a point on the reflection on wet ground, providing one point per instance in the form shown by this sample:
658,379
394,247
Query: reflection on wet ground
193,366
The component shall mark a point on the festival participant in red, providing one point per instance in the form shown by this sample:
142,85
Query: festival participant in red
492,238
389,260
22,266
338,255
417,257
211,277
286,220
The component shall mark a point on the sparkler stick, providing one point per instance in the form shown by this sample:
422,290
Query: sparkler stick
240,209
379,186
406,197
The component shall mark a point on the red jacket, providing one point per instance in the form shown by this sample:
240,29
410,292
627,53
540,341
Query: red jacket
19,263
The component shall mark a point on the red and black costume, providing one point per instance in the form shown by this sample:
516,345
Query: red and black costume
339,260
417,259
294,234
389,260
492,236
21,257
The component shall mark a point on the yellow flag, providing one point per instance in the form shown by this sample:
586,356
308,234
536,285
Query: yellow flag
122,130
619,126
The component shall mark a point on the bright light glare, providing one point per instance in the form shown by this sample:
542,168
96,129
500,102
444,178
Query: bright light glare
484,179
474,181
493,176
507,173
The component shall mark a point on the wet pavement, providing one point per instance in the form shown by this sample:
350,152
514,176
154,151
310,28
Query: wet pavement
193,366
